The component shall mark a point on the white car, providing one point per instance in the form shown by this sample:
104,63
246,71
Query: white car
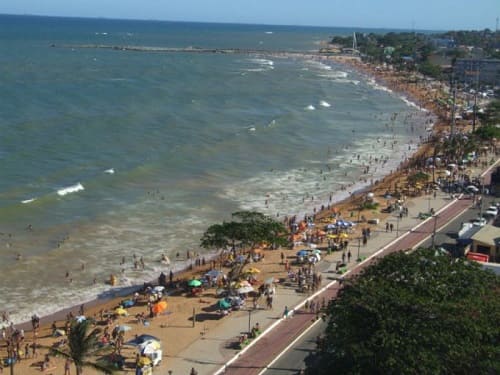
472,189
492,211
479,222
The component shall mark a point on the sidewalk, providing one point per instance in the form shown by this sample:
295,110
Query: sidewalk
216,347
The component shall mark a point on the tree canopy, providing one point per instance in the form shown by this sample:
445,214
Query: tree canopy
417,313
491,114
248,230
83,348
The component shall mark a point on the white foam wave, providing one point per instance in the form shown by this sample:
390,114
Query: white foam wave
269,32
263,62
109,171
310,107
263,65
411,104
259,69
70,189
376,86
28,200
324,104
318,65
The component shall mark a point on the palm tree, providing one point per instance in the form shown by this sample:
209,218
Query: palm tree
82,346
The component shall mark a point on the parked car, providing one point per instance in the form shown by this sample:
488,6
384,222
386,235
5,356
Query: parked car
479,222
492,211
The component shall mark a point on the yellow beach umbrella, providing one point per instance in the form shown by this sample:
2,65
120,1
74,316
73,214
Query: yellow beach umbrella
332,236
242,283
344,235
253,270
121,311
144,361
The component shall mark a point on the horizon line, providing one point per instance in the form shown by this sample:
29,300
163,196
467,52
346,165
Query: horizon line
234,23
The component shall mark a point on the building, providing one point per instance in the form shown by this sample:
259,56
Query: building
487,241
477,71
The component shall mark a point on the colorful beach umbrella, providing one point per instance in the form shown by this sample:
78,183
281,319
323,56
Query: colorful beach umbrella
242,283
253,270
194,283
214,273
245,289
144,361
121,311
123,328
224,304
159,307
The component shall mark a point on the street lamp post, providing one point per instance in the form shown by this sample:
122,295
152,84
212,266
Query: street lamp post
359,246
434,231
397,225
249,320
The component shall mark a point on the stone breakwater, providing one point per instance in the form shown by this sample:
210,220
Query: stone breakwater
246,51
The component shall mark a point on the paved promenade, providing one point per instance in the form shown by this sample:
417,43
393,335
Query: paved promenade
215,353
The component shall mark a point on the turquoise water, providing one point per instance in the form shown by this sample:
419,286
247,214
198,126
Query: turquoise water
108,153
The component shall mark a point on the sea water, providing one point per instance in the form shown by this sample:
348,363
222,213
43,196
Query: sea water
108,154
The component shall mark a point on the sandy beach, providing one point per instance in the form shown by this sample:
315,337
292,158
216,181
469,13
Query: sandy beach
174,327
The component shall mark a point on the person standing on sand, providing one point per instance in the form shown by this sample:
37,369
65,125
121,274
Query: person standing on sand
67,366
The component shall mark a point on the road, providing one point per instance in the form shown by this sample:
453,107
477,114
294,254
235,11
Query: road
446,236
296,357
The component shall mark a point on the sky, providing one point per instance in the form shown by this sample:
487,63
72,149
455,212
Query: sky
393,14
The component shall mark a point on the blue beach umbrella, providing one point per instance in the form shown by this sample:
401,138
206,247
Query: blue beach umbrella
213,273
302,253
240,259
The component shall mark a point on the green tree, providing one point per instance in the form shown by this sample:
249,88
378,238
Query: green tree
487,133
250,229
418,177
491,115
416,313
83,348
431,70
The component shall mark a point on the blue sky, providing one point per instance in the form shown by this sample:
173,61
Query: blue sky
407,14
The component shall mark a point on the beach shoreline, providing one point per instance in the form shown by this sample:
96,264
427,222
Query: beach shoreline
348,205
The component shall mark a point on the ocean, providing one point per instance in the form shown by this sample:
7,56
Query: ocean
106,154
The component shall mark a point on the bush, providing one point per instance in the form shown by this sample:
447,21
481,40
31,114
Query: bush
369,206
